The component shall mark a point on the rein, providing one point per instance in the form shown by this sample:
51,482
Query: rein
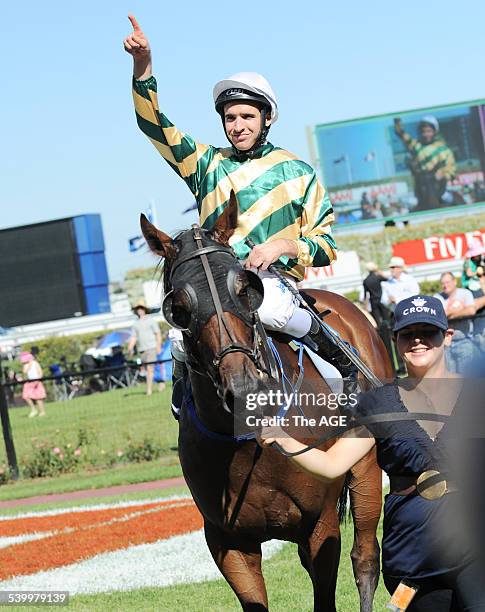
233,346
213,435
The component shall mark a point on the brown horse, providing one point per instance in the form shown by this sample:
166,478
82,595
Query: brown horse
248,495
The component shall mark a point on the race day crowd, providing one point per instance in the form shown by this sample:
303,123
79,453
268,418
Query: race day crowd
463,300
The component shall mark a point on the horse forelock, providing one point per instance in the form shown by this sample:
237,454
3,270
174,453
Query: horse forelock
185,244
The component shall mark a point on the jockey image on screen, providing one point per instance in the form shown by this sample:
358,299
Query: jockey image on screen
283,207
432,162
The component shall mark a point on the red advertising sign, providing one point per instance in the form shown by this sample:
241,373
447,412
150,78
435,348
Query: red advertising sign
437,248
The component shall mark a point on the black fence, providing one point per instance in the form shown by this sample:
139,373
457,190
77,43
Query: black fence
66,385
74,381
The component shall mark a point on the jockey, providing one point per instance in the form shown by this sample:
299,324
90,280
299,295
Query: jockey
431,162
283,207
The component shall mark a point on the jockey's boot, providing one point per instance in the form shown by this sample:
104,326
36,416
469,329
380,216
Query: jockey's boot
331,352
179,375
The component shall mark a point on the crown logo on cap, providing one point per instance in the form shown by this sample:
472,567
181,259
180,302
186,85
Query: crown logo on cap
419,302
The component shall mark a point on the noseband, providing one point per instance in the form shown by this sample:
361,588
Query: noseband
233,346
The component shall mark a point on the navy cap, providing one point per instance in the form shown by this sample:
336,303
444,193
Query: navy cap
420,309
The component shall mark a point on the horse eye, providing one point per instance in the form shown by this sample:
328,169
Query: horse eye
180,317
181,311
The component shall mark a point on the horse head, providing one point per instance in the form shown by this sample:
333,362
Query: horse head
213,300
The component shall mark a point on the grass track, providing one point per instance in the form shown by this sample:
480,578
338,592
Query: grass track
110,419
288,585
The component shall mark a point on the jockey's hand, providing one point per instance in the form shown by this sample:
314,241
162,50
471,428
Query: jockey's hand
263,255
136,44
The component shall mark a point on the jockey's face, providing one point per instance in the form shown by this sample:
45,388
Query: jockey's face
242,123
427,134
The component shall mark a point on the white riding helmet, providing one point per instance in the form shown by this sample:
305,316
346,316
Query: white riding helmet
432,121
249,86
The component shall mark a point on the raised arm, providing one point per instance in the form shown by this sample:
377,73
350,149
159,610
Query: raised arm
188,158
410,142
136,44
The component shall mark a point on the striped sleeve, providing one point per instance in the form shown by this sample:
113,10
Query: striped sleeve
187,157
411,143
316,246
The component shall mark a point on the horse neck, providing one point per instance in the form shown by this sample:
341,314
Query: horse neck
208,405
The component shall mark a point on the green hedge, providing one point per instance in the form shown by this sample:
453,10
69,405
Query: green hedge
377,246
53,349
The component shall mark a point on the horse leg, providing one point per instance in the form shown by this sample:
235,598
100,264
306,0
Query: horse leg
240,564
365,501
320,557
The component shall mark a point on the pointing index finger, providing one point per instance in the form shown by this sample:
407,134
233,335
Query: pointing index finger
134,23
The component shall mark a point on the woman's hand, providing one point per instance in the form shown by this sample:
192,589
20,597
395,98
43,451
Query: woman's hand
136,44
270,435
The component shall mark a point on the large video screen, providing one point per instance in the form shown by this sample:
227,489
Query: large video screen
408,162
39,276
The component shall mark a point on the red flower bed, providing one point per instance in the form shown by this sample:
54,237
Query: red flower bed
85,534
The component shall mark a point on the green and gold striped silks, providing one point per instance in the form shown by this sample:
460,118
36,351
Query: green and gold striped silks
279,195
433,156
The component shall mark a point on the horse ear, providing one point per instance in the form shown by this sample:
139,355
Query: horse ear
159,242
226,224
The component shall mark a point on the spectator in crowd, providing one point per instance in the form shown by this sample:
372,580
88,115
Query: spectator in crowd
400,285
366,207
148,340
11,380
372,291
459,306
479,191
33,391
431,162
473,268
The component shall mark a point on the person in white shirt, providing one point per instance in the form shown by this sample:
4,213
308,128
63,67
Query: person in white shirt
458,304
400,286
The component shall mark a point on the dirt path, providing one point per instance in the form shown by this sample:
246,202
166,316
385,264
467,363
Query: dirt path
91,493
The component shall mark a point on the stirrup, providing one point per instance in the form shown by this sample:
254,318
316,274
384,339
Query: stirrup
328,350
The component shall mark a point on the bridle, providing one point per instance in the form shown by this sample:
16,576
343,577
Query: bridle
233,346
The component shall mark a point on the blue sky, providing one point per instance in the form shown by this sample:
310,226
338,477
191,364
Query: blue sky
71,144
